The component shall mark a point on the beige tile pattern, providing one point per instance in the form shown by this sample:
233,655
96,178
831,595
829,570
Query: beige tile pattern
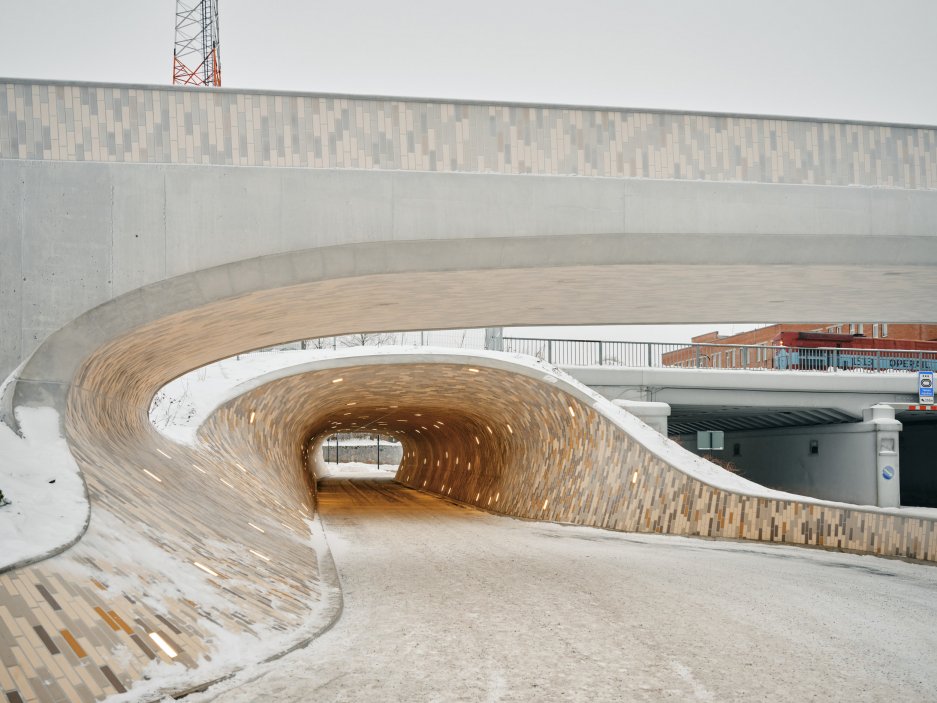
66,122
516,445
77,627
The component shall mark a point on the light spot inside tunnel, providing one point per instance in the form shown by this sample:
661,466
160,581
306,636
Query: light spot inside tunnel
510,430
571,411
477,441
489,429
473,370
545,501
634,478
253,415
163,645
152,475
199,468
337,380
259,529
354,402
164,453
258,554
206,569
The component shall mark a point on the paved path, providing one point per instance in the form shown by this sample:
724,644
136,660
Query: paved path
445,603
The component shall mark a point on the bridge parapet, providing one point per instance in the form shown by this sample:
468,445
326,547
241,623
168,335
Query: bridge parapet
41,120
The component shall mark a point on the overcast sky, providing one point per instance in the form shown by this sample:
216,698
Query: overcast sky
849,59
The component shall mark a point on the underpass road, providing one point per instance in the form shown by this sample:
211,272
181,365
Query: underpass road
447,603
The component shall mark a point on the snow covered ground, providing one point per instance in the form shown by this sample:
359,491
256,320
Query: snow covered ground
38,476
447,603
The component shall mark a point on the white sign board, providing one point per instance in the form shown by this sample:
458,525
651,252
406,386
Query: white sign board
925,382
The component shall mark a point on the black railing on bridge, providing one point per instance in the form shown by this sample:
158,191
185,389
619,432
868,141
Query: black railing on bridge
587,352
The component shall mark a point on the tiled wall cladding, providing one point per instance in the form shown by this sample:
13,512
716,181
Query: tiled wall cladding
170,125
564,462
77,627
196,546
558,460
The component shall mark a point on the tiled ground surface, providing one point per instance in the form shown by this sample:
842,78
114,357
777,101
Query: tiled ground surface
171,125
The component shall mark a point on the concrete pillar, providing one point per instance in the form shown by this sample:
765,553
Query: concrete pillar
651,413
887,477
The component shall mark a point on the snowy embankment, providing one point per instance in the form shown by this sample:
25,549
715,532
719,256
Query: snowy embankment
47,507
182,405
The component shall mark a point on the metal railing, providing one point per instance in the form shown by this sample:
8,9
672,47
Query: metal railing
587,352
593,352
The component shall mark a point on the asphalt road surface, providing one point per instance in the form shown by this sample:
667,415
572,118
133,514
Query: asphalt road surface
447,603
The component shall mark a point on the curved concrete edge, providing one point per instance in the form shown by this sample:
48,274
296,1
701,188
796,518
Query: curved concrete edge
649,259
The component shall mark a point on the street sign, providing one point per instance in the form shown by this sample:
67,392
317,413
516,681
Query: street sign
925,382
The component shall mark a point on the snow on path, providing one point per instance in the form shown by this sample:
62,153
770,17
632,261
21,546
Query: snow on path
447,603
48,507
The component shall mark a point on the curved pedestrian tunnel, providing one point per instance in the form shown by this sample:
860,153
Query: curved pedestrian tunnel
232,518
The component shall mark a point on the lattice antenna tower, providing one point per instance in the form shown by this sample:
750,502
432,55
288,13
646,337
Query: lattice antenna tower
195,57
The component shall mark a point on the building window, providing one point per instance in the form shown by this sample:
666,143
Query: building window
852,328
861,328
814,446
875,330
884,329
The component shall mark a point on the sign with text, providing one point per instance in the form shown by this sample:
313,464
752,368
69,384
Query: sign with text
925,382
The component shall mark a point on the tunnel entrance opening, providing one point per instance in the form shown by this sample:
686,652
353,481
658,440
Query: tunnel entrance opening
356,454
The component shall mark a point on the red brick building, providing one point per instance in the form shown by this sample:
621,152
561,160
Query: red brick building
715,356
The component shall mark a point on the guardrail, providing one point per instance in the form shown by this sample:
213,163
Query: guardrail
594,352
587,352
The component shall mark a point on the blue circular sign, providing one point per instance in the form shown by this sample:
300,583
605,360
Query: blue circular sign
888,473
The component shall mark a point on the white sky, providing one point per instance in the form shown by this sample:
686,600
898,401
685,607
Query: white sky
851,59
